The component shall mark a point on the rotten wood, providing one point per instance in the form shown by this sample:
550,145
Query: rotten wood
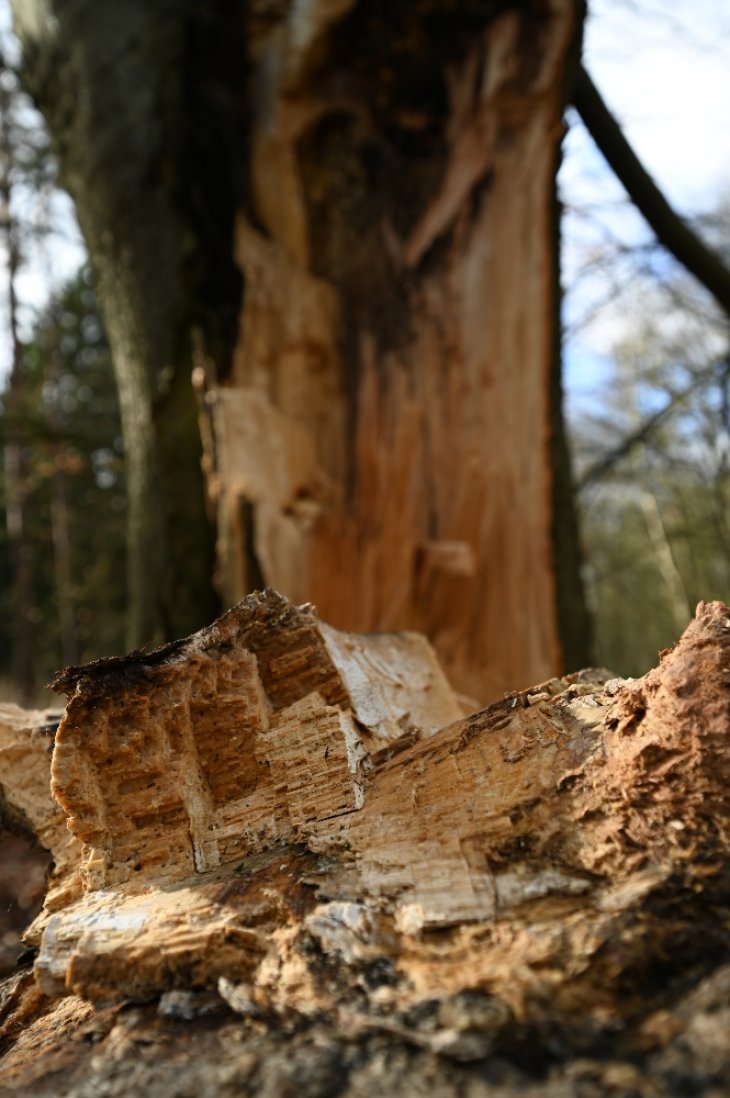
397,334
290,842
26,804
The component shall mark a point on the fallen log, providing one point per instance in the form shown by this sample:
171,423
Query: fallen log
287,862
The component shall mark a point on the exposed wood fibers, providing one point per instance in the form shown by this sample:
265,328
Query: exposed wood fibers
271,784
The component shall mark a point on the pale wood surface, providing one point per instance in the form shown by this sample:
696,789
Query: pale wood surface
268,826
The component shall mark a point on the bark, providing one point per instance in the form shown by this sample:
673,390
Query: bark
383,425
292,866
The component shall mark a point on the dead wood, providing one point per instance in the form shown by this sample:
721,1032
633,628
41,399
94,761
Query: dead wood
293,866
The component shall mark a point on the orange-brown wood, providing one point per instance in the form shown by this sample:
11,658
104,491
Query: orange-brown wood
383,445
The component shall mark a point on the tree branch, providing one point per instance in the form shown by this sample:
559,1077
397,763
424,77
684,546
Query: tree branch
671,230
603,465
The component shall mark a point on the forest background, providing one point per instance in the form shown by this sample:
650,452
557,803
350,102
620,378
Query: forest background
647,372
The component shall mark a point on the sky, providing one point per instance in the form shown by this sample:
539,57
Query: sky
663,67
42,266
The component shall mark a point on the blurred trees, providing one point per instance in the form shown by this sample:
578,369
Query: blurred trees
112,84
74,489
62,569
24,161
651,442
653,460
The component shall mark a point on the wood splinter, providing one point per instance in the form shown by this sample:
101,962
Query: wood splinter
304,820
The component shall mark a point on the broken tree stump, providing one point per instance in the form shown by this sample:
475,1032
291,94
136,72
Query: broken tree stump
290,845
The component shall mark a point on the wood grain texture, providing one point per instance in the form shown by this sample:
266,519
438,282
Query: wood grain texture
26,803
383,443
271,833
270,738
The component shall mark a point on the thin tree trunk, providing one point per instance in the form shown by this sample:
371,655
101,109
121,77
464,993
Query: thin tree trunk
62,545
17,501
679,606
120,160
60,534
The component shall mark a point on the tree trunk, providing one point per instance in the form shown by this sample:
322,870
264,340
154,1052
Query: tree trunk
312,875
387,443
108,79
384,425
15,457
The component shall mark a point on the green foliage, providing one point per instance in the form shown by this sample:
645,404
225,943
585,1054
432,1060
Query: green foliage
75,486
656,517
632,605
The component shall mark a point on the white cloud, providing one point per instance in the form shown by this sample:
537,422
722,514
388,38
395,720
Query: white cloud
664,69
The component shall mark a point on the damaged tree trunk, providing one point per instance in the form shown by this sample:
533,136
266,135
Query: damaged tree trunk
388,444
286,862
381,400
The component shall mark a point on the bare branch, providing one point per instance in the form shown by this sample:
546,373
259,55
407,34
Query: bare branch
605,464
671,230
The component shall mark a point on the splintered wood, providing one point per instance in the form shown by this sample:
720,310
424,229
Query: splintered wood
382,440
255,732
26,804
271,798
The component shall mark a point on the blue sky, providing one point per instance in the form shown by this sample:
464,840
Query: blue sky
663,68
